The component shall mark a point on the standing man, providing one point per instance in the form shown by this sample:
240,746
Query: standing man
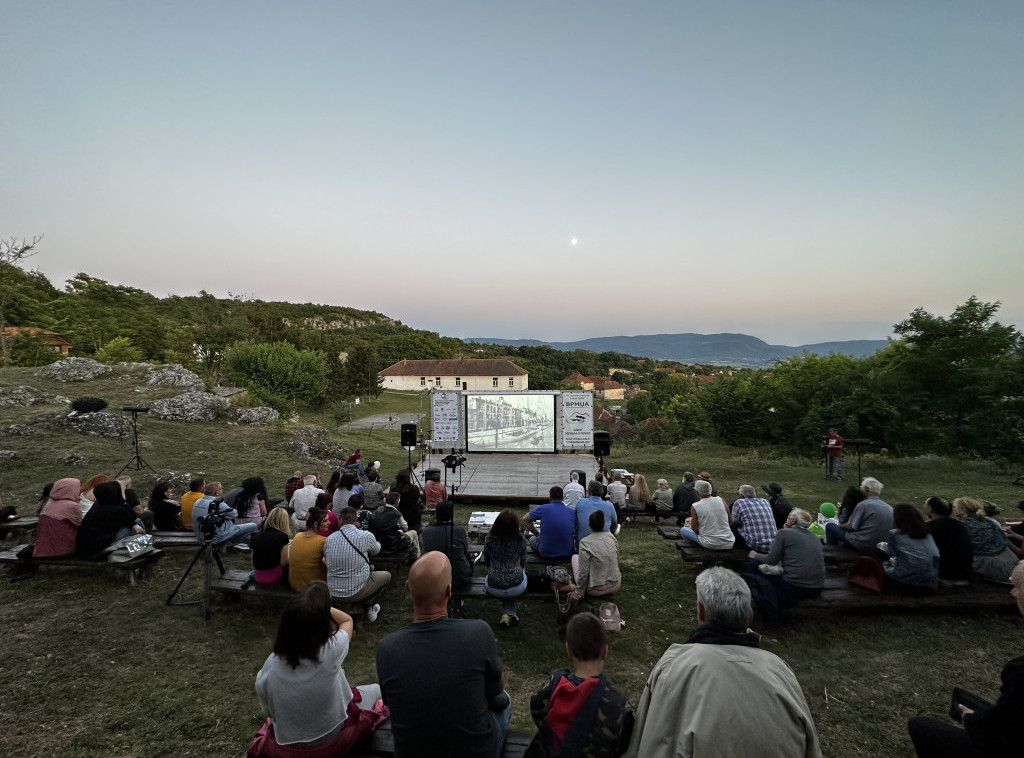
833,455
451,699
719,695
557,527
573,491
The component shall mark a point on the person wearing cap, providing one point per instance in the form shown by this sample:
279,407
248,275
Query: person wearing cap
780,505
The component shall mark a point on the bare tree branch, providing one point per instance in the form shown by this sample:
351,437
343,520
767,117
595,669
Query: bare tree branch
12,251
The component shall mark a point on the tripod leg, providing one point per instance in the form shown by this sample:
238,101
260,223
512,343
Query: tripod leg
184,576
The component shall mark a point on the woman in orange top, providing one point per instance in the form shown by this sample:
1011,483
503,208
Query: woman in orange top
306,555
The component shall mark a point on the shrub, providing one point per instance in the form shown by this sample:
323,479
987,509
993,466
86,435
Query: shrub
88,404
118,350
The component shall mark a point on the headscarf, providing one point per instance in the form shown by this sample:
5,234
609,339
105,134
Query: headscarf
109,493
63,503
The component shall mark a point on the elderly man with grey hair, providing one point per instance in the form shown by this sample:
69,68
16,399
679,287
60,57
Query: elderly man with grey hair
792,570
869,525
752,520
689,704
302,500
708,524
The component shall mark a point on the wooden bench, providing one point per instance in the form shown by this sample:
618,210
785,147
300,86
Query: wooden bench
24,567
381,743
476,589
22,528
531,557
839,595
691,552
166,539
238,582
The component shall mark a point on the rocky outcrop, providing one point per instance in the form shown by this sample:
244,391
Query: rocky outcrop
74,370
21,430
175,375
26,396
100,424
259,415
315,444
191,407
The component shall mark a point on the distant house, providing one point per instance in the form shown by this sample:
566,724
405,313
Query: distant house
603,388
456,374
48,338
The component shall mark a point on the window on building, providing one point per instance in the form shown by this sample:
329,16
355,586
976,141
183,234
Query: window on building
423,381
437,381
458,382
511,382
494,382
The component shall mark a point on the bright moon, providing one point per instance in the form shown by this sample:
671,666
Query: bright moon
574,240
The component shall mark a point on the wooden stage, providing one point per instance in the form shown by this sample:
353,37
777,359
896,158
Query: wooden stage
508,476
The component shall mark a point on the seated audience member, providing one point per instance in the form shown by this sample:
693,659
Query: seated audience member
59,520
661,501
579,712
616,492
306,561
433,491
699,689
709,520
467,710
912,567
270,547
781,507
323,503
88,497
587,505
409,500
353,462
557,527
797,568
993,559
188,500
295,482
166,511
373,491
638,497
389,528
869,524
302,686
131,499
573,491
991,731
250,500
851,499
596,567
346,487
302,500
108,520
350,574
229,533
753,519
451,540
956,554
684,497
332,486
505,558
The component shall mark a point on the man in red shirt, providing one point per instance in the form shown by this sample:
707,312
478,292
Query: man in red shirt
834,455
353,462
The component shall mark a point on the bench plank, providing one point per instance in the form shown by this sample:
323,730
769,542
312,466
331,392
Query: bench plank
381,743
133,567
691,552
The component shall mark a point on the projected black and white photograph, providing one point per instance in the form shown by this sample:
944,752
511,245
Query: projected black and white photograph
510,423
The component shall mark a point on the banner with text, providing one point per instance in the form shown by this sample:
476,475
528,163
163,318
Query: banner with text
444,409
577,419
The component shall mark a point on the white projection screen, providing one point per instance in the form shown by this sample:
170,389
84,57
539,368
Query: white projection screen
510,422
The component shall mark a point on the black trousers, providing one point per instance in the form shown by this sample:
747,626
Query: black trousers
940,739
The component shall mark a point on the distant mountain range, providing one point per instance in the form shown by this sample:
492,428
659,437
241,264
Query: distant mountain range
738,350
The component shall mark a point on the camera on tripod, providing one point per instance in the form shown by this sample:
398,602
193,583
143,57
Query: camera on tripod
214,519
453,460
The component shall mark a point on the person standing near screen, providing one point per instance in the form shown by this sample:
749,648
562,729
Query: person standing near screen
833,455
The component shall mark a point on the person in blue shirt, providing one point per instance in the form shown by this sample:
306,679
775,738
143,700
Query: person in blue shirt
588,505
557,527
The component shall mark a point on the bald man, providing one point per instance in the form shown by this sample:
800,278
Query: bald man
441,677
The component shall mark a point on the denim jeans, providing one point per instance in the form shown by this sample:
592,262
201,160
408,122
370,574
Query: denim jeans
834,534
508,596
835,467
688,534
501,720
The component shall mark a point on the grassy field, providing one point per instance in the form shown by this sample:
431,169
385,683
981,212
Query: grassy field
94,668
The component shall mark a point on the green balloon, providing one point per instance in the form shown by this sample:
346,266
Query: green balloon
828,510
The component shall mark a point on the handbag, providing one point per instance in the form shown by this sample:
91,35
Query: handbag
609,615
130,548
866,573
561,583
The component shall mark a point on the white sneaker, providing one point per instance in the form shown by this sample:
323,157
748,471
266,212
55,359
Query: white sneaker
371,614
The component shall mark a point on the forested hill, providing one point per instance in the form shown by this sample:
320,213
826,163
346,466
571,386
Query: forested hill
739,350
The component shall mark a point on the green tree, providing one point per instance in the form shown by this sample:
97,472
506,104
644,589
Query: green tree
360,371
119,349
12,281
277,369
641,407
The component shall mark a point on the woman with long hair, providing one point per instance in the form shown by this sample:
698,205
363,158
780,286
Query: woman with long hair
993,559
332,483
270,547
88,497
166,511
851,498
639,495
505,558
59,520
250,500
306,556
913,564
345,489
409,500
312,710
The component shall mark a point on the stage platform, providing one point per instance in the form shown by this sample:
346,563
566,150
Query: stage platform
509,476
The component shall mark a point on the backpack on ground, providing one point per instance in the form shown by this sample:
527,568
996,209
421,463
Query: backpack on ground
609,615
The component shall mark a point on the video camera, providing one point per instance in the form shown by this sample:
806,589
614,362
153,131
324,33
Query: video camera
214,519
